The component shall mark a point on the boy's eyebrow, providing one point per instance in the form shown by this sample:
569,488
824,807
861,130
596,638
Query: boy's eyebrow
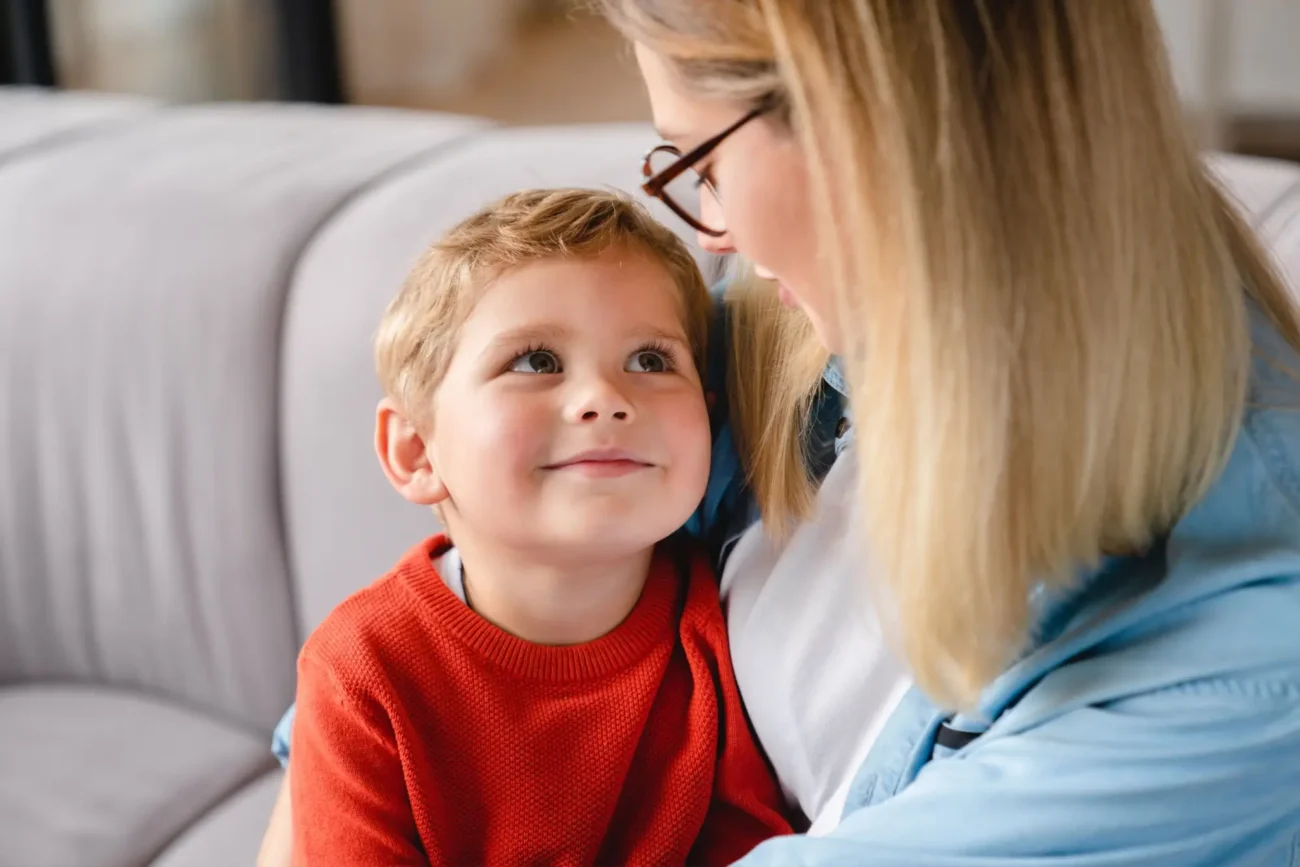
667,336
527,334
556,332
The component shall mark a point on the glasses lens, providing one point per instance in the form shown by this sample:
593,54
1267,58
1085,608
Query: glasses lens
688,192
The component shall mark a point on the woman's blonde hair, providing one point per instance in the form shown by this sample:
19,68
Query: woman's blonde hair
1042,292
417,335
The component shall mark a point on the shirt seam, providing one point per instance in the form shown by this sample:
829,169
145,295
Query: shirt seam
1263,440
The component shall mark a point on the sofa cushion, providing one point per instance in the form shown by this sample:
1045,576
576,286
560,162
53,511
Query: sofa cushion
99,777
345,524
142,278
231,833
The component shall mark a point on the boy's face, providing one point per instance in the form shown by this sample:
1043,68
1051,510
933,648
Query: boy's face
572,418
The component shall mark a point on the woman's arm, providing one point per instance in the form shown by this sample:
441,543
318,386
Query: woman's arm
277,842
1206,774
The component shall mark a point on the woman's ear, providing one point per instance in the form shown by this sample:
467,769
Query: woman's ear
404,458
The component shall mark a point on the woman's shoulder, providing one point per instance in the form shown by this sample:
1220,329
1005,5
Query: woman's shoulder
1211,607
1223,590
1208,613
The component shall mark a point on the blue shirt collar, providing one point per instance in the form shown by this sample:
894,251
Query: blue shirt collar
833,375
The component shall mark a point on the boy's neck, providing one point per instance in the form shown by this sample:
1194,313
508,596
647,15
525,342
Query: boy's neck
556,603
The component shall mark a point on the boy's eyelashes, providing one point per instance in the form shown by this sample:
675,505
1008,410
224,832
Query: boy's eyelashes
535,359
651,357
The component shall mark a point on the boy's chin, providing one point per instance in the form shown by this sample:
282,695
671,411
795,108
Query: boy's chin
610,536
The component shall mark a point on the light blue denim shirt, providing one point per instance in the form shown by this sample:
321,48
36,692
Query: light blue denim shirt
1157,721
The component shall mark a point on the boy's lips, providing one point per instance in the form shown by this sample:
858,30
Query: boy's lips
602,463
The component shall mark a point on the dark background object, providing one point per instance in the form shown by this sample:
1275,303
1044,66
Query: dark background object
307,52
26,55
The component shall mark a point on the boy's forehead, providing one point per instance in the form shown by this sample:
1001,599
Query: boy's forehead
617,288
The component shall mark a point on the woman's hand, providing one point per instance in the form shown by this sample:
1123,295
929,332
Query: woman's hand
277,843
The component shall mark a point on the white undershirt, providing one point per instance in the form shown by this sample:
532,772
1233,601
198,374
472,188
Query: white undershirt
452,572
810,656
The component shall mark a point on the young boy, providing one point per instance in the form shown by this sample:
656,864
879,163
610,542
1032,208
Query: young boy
549,682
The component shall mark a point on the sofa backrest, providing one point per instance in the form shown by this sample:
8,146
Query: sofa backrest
143,272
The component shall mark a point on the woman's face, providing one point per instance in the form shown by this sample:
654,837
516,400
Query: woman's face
761,178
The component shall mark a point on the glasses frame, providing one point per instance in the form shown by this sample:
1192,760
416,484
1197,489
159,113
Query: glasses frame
656,183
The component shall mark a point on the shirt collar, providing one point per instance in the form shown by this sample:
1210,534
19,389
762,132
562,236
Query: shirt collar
833,375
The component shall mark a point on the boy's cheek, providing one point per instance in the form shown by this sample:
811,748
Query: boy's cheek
687,428
490,446
512,441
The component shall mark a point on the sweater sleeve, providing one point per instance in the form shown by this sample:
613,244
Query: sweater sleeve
746,807
348,791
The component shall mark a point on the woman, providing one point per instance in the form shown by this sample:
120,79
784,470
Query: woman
1076,457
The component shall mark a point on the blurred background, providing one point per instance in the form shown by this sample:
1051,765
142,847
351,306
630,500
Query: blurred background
539,61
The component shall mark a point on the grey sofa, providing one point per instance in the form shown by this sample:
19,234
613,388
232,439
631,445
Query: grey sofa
186,480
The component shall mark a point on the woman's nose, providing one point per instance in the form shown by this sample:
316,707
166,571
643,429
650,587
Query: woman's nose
717,244
711,216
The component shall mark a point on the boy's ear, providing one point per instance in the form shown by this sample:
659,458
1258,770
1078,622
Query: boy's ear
404,458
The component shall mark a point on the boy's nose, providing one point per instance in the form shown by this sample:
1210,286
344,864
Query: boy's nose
592,415
601,400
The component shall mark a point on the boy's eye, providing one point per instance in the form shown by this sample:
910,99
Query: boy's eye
649,361
536,361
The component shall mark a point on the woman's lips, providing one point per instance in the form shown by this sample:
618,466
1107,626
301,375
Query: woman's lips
782,291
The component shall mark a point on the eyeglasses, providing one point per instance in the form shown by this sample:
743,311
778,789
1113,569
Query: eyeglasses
671,177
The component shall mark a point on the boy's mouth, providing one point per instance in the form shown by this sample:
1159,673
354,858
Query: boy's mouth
602,463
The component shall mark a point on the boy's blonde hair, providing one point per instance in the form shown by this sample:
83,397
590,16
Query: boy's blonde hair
418,333
1042,291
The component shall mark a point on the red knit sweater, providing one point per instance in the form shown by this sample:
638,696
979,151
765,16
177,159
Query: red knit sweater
424,734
